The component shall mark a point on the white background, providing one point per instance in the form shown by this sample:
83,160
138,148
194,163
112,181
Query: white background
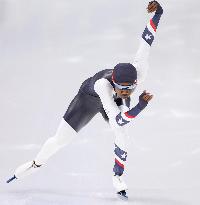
47,48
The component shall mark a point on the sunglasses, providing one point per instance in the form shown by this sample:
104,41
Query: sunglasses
125,87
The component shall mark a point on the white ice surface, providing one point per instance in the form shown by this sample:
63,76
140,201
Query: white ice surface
47,48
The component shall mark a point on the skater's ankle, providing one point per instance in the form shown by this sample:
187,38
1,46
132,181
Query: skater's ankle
36,165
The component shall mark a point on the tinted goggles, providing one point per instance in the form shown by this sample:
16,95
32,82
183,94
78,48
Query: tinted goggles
125,87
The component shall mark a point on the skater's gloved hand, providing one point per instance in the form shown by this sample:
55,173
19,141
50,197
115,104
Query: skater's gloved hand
154,6
144,98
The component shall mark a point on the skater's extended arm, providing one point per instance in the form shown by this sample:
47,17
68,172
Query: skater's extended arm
141,58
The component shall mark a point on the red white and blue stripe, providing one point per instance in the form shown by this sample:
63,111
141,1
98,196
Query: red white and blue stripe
120,159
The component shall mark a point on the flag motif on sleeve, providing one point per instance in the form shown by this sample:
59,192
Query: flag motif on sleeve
148,36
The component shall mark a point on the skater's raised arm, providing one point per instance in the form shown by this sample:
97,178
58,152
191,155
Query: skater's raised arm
141,58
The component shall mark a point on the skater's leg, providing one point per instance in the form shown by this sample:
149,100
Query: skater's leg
64,135
81,110
120,152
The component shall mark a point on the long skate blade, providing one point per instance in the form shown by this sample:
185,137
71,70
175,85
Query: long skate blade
122,195
11,179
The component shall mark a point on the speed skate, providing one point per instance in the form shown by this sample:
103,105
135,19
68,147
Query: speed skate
24,170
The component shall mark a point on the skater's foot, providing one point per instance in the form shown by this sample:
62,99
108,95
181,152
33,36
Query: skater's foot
25,170
122,195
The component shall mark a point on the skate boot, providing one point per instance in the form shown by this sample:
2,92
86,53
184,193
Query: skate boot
25,170
120,187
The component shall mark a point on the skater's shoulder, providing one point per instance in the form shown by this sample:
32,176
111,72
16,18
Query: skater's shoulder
102,82
102,85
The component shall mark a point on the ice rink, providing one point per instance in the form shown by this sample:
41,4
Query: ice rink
47,48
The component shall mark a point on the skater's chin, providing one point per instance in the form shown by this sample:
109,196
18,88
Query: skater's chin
125,97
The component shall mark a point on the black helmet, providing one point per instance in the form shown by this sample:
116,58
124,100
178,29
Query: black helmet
124,73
